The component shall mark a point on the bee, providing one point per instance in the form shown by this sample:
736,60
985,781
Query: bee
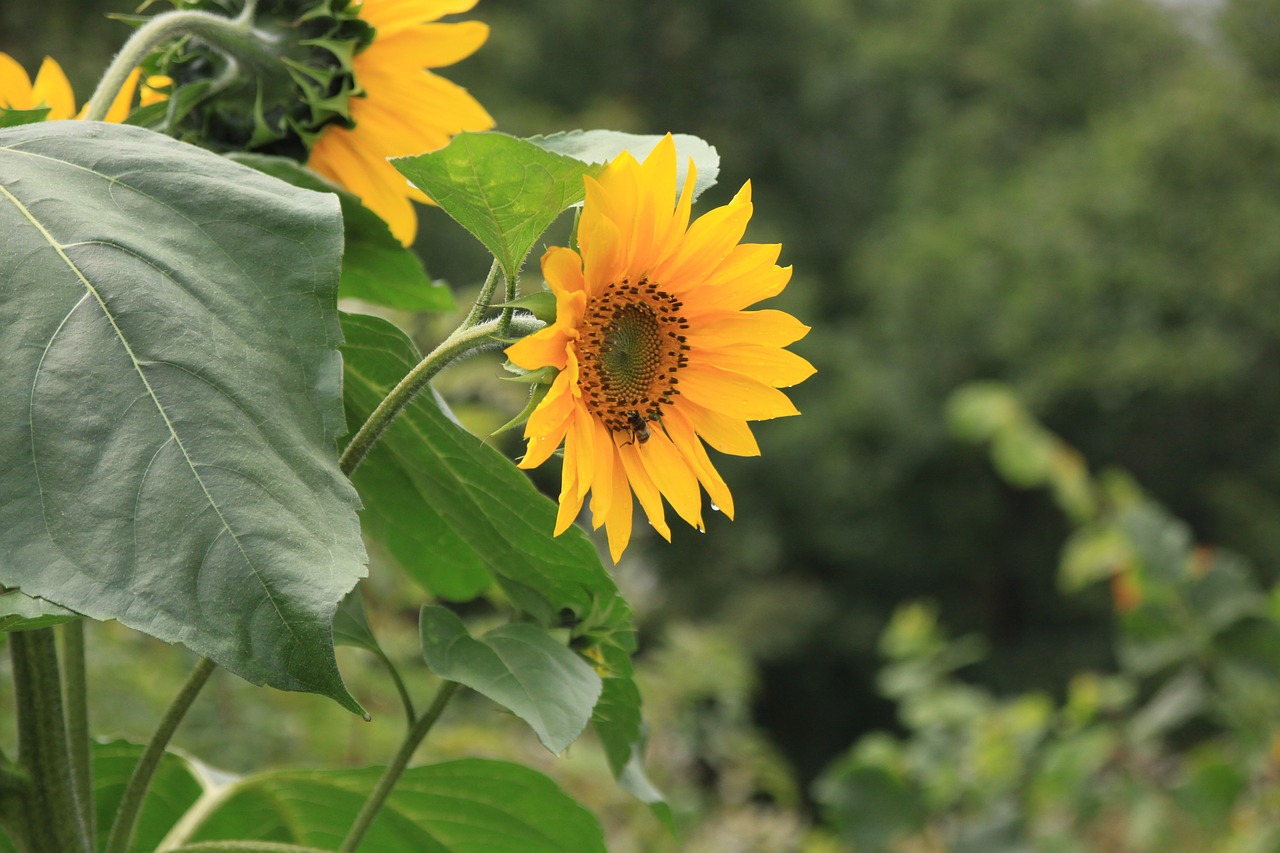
639,428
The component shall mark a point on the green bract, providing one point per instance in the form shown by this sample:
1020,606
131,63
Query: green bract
271,89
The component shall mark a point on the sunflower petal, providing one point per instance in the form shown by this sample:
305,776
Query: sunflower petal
671,473
544,348
771,365
646,492
726,434
52,89
618,524
767,327
686,441
733,394
602,483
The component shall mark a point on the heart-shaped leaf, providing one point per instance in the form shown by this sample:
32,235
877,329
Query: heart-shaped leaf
504,190
601,146
520,667
172,398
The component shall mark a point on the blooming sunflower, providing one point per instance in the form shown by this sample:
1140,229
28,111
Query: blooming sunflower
654,349
52,90
405,109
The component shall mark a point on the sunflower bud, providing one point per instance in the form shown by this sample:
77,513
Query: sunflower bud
271,86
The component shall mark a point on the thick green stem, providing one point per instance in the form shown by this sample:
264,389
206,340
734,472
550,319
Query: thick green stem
75,692
484,299
52,809
227,32
462,343
126,818
398,764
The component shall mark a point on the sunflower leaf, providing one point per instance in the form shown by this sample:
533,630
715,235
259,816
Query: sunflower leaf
601,146
22,612
519,666
468,806
505,191
375,267
173,398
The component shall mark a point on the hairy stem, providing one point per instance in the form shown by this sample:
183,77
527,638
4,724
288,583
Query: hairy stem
76,694
52,809
126,818
484,298
462,343
155,32
398,764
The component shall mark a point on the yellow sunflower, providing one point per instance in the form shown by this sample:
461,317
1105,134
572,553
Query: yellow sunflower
405,109
52,89
655,350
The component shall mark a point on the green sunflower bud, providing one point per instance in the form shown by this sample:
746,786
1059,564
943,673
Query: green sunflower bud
270,86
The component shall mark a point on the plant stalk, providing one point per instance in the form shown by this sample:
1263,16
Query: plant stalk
398,764
126,818
53,812
76,695
462,343
162,28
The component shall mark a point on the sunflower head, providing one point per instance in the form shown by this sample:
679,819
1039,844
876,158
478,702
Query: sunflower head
273,90
655,351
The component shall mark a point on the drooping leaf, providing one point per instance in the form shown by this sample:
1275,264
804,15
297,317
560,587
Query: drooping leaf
22,612
601,146
467,806
175,788
13,118
505,191
520,667
375,267
351,624
172,395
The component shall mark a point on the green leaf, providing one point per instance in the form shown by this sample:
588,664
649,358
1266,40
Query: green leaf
468,806
22,612
601,146
14,118
351,624
375,266
541,304
175,788
173,398
505,191
520,667
451,510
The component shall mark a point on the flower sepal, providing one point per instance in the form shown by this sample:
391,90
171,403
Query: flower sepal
271,85
541,304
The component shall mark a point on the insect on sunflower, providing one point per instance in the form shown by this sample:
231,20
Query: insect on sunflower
655,349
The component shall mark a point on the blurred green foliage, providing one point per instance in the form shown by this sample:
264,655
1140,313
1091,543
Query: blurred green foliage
1177,749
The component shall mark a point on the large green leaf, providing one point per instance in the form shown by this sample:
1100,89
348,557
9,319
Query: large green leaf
451,510
455,513
505,191
21,612
601,146
519,666
172,398
375,267
175,788
468,806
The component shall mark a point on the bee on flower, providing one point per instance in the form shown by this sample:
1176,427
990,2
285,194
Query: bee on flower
656,350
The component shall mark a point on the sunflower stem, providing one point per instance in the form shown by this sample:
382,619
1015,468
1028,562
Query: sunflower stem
464,341
391,776
75,694
215,29
51,815
484,299
126,819
504,321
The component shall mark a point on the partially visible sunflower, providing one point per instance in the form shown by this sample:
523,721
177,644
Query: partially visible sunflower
654,349
405,109
52,90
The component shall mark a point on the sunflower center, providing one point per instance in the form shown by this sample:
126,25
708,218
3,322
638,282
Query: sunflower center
632,348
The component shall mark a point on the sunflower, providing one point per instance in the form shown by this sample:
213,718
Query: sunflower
654,349
52,90
405,109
